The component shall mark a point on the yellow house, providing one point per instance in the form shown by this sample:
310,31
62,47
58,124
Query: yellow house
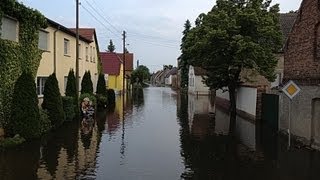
59,44
113,70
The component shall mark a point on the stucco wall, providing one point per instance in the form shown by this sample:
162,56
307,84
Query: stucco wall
200,88
246,99
65,62
301,112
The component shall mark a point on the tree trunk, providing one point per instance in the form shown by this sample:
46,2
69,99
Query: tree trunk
233,108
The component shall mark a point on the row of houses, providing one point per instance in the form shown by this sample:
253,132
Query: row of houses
59,55
165,77
298,61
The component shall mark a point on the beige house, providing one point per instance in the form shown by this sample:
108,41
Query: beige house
59,44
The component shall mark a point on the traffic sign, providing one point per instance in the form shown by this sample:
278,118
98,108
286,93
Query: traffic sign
291,89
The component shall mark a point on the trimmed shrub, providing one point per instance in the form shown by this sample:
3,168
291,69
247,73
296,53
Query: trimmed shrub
52,101
25,111
101,86
12,142
86,84
71,85
90,96
111,95
45,124
68,107
102,101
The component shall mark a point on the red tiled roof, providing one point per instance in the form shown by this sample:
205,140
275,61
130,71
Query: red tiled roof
129,60
85,32
110,63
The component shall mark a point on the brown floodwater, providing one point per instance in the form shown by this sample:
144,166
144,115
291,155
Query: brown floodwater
163,135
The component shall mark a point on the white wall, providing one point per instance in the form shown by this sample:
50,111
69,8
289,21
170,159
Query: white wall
200,88
246,99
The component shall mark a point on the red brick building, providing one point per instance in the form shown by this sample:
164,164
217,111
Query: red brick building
302,65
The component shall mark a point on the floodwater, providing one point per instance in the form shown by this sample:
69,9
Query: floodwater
159,135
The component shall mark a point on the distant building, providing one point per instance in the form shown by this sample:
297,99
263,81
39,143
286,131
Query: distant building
196,84
171,77
113,69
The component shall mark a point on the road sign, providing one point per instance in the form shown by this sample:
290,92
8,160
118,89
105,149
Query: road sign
291,89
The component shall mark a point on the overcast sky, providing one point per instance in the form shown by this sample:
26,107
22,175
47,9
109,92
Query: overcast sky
153,26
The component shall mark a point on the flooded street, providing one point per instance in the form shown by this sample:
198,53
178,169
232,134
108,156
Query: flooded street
160,135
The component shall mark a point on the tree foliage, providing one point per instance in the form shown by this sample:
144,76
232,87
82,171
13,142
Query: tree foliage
140,74
86,84
101,85
71,91
235,35
52,101
25,112
111,46
184,59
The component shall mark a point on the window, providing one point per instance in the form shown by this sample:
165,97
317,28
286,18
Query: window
9,29
66,47
43,40
41,81
80,52
90,53
94,54
87,55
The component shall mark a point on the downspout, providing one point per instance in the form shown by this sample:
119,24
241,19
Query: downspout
55,50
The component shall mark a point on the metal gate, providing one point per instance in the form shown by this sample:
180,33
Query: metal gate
270,111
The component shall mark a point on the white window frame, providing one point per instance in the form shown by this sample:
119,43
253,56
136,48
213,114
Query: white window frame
90,53
40,85
3,35
94,55
47,48
80,51
66,47
87,53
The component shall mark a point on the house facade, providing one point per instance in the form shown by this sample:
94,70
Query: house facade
196,85
113,70
171,77
59,46
302,65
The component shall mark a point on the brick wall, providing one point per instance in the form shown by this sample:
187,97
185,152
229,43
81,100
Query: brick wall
301,62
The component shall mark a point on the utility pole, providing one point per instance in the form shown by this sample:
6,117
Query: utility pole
124,61
77,48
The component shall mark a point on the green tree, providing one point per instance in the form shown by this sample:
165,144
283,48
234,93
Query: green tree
71,90
86,84
111,46
101,85
141,74
25,117
71,85
235,35
184,59
52,101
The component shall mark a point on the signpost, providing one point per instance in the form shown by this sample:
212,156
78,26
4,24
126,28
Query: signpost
291,89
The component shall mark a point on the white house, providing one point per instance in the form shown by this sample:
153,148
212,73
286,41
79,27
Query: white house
171,76
196,85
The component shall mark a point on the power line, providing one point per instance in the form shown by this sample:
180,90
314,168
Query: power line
155,44
98,20
105,19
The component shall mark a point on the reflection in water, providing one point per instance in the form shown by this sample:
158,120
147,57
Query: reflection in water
163,135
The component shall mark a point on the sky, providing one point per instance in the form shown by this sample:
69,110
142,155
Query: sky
154,27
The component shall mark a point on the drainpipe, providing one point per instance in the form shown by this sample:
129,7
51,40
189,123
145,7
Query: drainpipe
55,50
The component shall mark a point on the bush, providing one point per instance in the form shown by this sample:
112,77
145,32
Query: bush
68,107
101,86
86,84
102,101
111,95
52,101
25,111
12,142
90,96
45,124
72,91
